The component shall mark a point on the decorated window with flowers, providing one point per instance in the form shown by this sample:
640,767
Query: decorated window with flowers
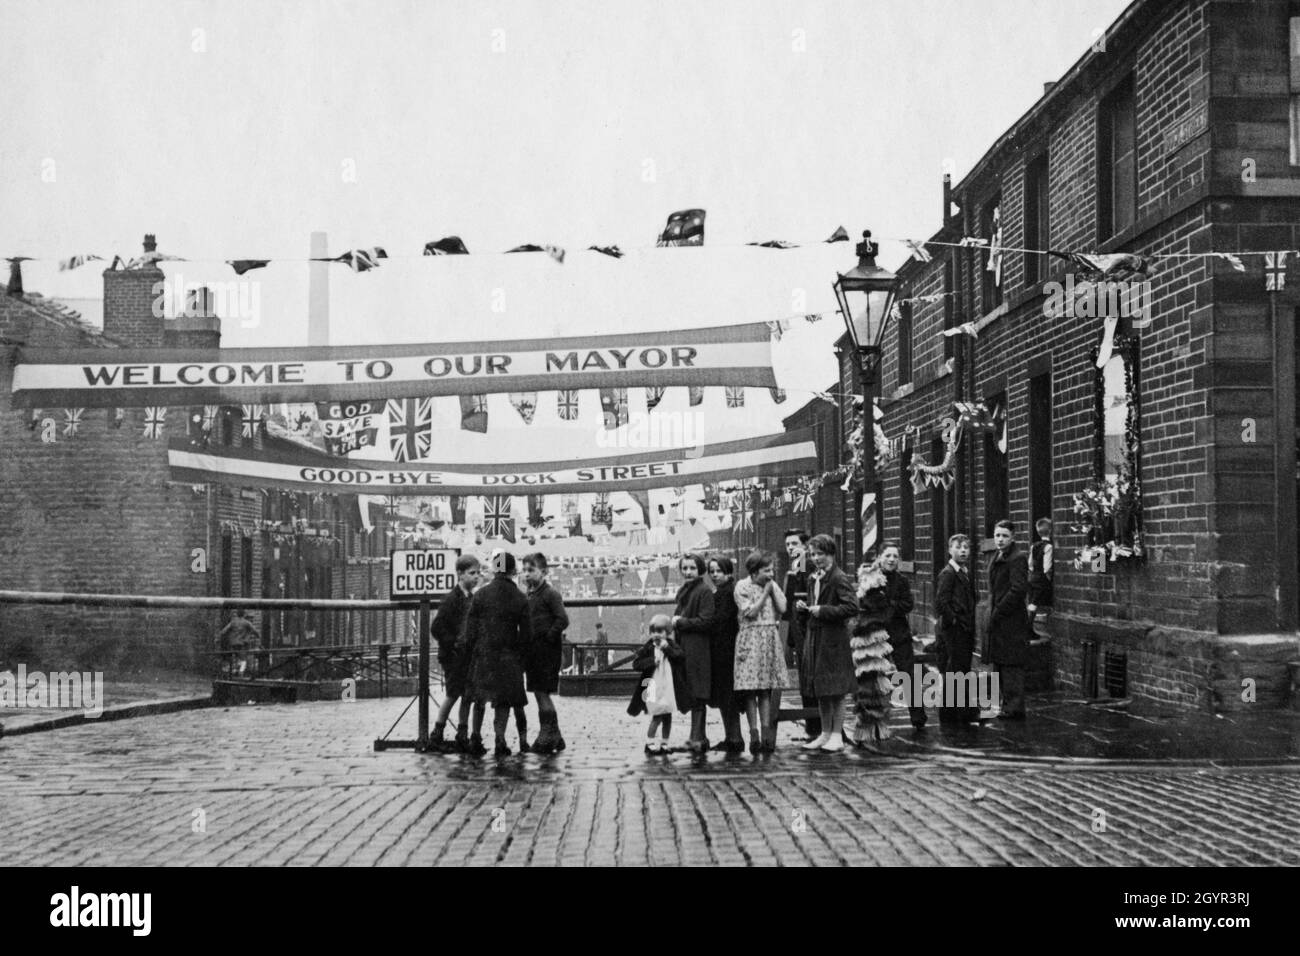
1108,510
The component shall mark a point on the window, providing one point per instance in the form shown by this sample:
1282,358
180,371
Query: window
949,307
1295,93
906,508
1117,161
904,343
246,565
990,229
996,498
1037,233
1040,448
227,562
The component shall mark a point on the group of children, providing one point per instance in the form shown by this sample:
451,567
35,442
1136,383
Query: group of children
495,645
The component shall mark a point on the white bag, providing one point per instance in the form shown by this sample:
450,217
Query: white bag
658,695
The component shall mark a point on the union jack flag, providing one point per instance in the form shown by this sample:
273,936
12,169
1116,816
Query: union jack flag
154,419
72,420
210,416
696,393
614,403
498,522
735,396
1274,271
804,498
252,420
410,428
567,403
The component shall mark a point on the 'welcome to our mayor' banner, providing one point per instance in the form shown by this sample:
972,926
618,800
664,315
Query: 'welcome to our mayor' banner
786,454
97,378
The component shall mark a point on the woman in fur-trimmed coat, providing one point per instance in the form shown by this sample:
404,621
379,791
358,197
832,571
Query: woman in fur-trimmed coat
871,661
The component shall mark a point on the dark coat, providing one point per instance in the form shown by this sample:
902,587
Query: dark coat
827,656
898,596
499,635
644,664
955,597
722,646
796,582
694,632
1040,580
548,621
448,624
1009,628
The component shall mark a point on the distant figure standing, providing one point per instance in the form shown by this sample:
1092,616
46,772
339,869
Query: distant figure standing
827,614
238,636
693,627
600,659
1042,574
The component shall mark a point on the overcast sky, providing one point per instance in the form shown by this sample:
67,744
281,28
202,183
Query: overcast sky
232,130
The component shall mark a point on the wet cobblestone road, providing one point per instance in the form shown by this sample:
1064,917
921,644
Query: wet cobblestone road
301,784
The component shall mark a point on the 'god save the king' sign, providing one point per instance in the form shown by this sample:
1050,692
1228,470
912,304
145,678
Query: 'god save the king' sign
422,573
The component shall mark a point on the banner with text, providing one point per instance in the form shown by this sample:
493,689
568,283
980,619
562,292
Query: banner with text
786,454
98,378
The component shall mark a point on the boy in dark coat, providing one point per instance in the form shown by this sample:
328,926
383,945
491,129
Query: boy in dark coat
955,597
446,629
644,664
898,596
549,621
796,583
1009,630
499,633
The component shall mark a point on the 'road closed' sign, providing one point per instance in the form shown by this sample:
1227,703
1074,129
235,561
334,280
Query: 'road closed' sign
423,573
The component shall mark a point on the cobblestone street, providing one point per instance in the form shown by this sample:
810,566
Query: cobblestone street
301,784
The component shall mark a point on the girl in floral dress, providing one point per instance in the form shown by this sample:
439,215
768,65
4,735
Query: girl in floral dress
760,656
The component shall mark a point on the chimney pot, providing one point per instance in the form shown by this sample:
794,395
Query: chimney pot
150,243
1047,87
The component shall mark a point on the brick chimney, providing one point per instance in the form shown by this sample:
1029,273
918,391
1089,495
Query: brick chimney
15,287
198,328
133,303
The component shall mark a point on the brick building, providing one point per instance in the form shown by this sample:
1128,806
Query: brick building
1179,137
91,509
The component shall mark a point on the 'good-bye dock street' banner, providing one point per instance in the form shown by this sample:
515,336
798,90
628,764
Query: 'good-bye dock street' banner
98,378
785,454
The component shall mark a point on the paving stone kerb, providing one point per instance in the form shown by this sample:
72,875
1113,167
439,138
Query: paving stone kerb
301,784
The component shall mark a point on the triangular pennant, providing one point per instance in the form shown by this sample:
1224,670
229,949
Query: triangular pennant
525,403
473,413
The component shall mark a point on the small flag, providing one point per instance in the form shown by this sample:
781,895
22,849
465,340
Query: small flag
614,403
252,420
555,252
246,265
458,505
567,404
774,244
473,413
684,228
525,403
778,395
778,327
410,428
696,394
118,415
446,246
1232,259
498,522
839,235
812,317
735,396
995,247
360,260
76,262
154,419
654,394
1275,271
972,242
72,420
966,328
919,252
612,251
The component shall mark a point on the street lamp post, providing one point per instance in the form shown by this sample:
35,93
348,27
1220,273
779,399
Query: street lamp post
866,299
